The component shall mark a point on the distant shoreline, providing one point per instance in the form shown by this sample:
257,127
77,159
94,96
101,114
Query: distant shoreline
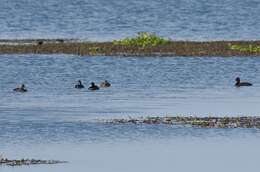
173,48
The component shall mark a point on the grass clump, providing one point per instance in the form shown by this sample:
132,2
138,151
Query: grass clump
143,40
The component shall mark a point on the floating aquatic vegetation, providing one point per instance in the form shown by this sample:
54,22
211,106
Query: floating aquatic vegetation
203,122
143,39
19,162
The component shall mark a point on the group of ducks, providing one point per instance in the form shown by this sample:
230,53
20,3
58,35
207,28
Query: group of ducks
105,84
79,85
93,86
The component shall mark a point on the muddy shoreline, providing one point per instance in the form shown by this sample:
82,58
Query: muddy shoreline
173,48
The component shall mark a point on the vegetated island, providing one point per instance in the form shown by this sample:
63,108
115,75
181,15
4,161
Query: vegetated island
202,122
144,44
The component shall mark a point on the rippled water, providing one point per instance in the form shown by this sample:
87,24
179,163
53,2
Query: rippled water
140,86
112,19
55,121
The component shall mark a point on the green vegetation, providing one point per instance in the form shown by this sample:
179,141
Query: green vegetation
200,123
143,39
94,50
245,48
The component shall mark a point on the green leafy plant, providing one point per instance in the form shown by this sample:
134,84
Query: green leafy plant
94,50
245,48
143,39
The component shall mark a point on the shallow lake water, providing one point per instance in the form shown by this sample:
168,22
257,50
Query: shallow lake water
55,121
140,86
114,19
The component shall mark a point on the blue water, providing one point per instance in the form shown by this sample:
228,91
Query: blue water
55,121
140,86
112,19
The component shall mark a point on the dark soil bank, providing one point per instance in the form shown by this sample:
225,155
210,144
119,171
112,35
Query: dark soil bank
173,48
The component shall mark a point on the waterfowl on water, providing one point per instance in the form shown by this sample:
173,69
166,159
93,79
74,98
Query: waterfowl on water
79,85
93,87
105,84
40,42
21,89
239,83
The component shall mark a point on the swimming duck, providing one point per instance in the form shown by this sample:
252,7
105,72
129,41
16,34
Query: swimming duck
40,42
79,85
21,89
239,84
93,87
105,84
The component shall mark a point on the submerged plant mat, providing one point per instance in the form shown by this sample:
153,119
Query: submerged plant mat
204,122
19,162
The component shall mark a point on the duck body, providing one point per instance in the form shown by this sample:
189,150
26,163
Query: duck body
79,85
93,87
21,89
241,84
105,84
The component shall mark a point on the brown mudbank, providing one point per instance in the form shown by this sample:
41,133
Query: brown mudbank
171,48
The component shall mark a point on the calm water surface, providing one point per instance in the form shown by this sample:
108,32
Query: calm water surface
112,19
55,121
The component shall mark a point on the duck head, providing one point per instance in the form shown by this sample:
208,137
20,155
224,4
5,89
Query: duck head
237,80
